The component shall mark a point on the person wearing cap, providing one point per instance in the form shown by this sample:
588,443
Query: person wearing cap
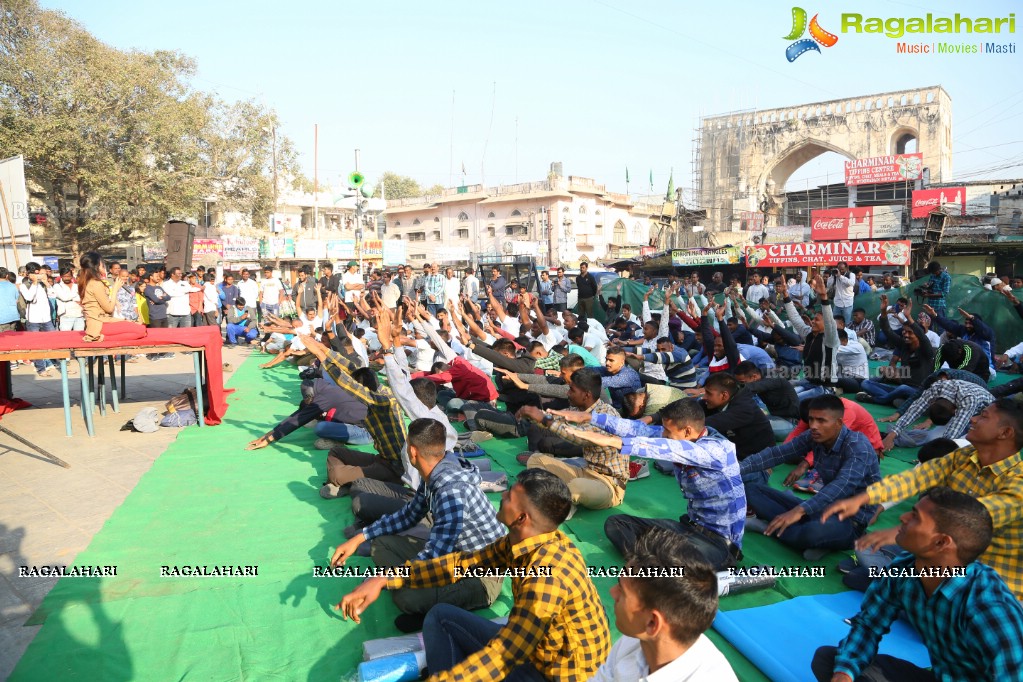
351,281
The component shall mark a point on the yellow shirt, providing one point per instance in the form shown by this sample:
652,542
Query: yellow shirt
143,306
557,621
999,487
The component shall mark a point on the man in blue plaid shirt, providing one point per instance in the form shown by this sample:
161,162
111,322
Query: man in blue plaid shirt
937,288
464,520
847,463
970,622
706,469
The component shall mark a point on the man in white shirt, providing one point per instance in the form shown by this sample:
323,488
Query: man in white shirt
351,282
37,310
800,291
853,366
452,287
925,321
69,305
179,313
390,292
471,285
756,291
270,292
662,619
844,283
210,300
248,288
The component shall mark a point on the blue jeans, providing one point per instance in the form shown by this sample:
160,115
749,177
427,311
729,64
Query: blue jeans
884,394
914,438
809,533
845,312
434,307
348,433
859,577
236,330
271,309
755,477
805,389
41,365
451,634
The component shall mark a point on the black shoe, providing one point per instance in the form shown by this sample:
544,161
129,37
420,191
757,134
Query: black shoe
410,622
353,530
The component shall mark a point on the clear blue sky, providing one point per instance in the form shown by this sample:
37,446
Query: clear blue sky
596,84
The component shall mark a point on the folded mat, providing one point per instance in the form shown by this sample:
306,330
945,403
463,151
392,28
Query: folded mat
781,639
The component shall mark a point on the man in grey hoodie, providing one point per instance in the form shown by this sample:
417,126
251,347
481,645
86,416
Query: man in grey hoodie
464,520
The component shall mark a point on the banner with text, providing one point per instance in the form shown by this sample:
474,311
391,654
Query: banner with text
782,234
864,253
240,248
891,168
703,256
277,247
208,249
371,248
868,222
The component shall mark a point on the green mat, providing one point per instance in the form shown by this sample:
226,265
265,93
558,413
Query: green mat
206,501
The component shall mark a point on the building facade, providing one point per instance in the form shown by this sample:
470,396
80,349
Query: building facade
561,221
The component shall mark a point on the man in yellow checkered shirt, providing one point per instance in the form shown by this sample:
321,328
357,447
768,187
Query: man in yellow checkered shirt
557,629
990,469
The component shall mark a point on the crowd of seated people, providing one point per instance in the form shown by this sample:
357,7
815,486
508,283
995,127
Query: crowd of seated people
718,393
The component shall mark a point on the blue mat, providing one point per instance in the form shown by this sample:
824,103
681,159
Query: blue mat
781,639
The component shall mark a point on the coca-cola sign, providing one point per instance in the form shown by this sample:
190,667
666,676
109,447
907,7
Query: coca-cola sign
950,199
868,222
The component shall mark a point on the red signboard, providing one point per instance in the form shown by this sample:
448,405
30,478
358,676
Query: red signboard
869,222
864,252
927,200
892,168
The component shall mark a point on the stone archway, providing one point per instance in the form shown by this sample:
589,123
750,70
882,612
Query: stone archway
741,157
774,178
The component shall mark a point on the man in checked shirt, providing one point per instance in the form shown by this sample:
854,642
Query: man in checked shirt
601,483
950,405
557,629
966,616
847,463
990,469
463,520
384,421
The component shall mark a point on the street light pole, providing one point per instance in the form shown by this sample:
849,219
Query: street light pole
273,138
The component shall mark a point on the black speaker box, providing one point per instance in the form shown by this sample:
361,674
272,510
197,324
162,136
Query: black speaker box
179,237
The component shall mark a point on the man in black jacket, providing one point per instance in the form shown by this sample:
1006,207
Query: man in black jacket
586,284
913,351
777,395
732,411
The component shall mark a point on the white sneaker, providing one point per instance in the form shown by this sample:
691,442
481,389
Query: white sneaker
638,470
